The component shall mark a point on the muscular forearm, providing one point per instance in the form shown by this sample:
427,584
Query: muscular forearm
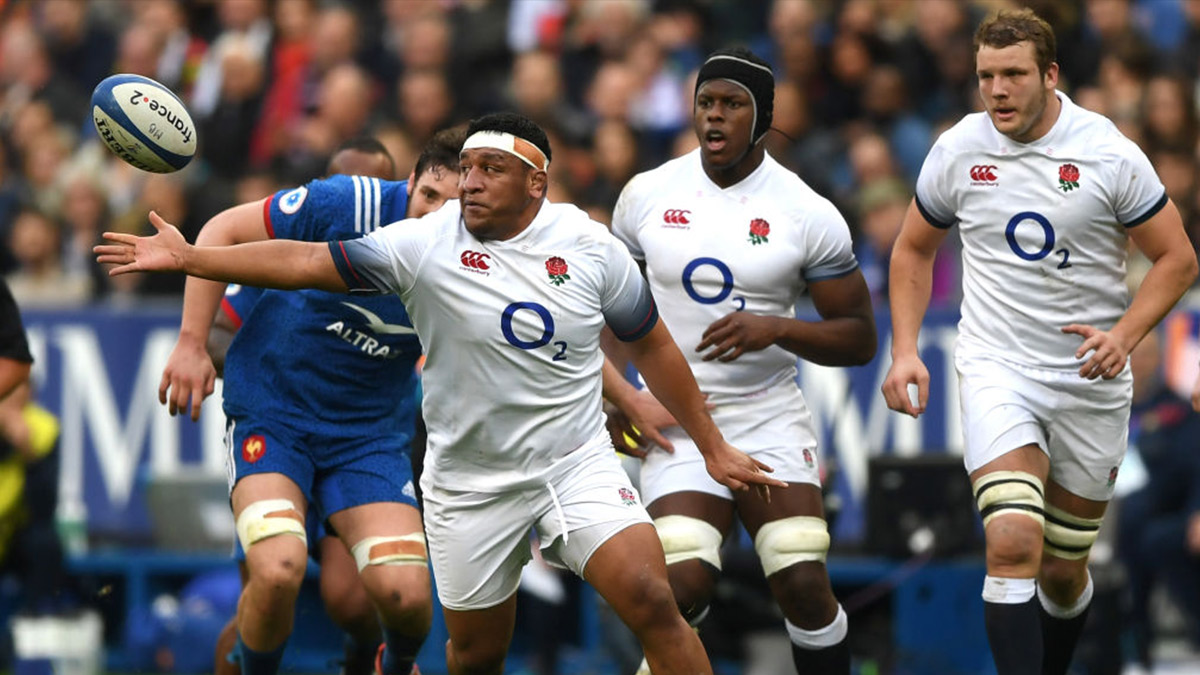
1166,282
910,284
279,264
841,341
669,378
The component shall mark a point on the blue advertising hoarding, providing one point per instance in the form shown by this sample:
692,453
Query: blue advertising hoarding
99,370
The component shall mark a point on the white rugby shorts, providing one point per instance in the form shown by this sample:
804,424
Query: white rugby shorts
1082,425
773,426
479,542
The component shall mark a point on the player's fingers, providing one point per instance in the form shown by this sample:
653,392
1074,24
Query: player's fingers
716,325
1092,343
764,492
717,351
762,466
163,387
761,479
890,397
123,269
735,484
157,221
116,239
112,253
197,401
732,356
652,435
1078,329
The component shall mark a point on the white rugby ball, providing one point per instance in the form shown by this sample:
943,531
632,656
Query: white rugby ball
143,123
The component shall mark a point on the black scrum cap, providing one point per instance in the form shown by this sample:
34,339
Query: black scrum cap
742,67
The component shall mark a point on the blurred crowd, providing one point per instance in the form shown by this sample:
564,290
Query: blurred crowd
274,86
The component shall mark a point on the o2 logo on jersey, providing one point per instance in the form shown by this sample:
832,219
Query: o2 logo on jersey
506,329
689,285
1010,234
292,201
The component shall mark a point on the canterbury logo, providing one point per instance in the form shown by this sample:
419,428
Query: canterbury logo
983,173
474,260
676,216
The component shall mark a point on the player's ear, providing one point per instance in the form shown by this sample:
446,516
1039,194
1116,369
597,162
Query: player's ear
538,181
412,182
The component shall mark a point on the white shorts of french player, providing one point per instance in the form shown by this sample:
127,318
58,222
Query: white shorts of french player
478,542
1082,425
774,426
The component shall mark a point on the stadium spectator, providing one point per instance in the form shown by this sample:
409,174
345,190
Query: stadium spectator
1159,524
743,238
40,278
546,463
243,23
1042,345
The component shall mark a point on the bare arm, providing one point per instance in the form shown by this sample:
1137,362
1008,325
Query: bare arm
189,375
910,282
1163,240
219,337
281,264
845,335
668,376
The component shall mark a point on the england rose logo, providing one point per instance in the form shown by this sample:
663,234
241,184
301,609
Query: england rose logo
556,267
759,229
1068,177
627,496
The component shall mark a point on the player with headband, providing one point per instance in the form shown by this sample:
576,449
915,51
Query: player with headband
508,293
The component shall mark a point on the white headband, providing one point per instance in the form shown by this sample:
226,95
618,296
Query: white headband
501,140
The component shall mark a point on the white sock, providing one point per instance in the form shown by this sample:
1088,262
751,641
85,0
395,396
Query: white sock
1070,611
820,638
1006,591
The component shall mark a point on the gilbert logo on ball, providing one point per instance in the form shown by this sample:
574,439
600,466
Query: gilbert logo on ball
143,123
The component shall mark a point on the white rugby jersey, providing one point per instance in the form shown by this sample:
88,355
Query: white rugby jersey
511,333
709,251
1043,228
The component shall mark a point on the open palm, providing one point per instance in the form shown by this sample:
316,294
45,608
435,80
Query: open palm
161,252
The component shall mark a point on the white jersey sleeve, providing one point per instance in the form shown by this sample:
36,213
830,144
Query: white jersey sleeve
387,260
625,300
827,239
1140,194
629,213
935,190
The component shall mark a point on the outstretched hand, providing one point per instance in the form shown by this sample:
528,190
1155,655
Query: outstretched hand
161,252
738,471
1109,355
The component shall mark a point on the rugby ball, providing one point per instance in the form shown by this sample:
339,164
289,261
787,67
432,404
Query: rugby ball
143,123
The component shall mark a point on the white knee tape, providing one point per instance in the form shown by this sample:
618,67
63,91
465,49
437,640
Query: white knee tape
685,538
1067,536
1009,492
269,518
783,543
406,550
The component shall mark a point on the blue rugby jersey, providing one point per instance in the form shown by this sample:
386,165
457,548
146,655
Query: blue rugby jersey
326,363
